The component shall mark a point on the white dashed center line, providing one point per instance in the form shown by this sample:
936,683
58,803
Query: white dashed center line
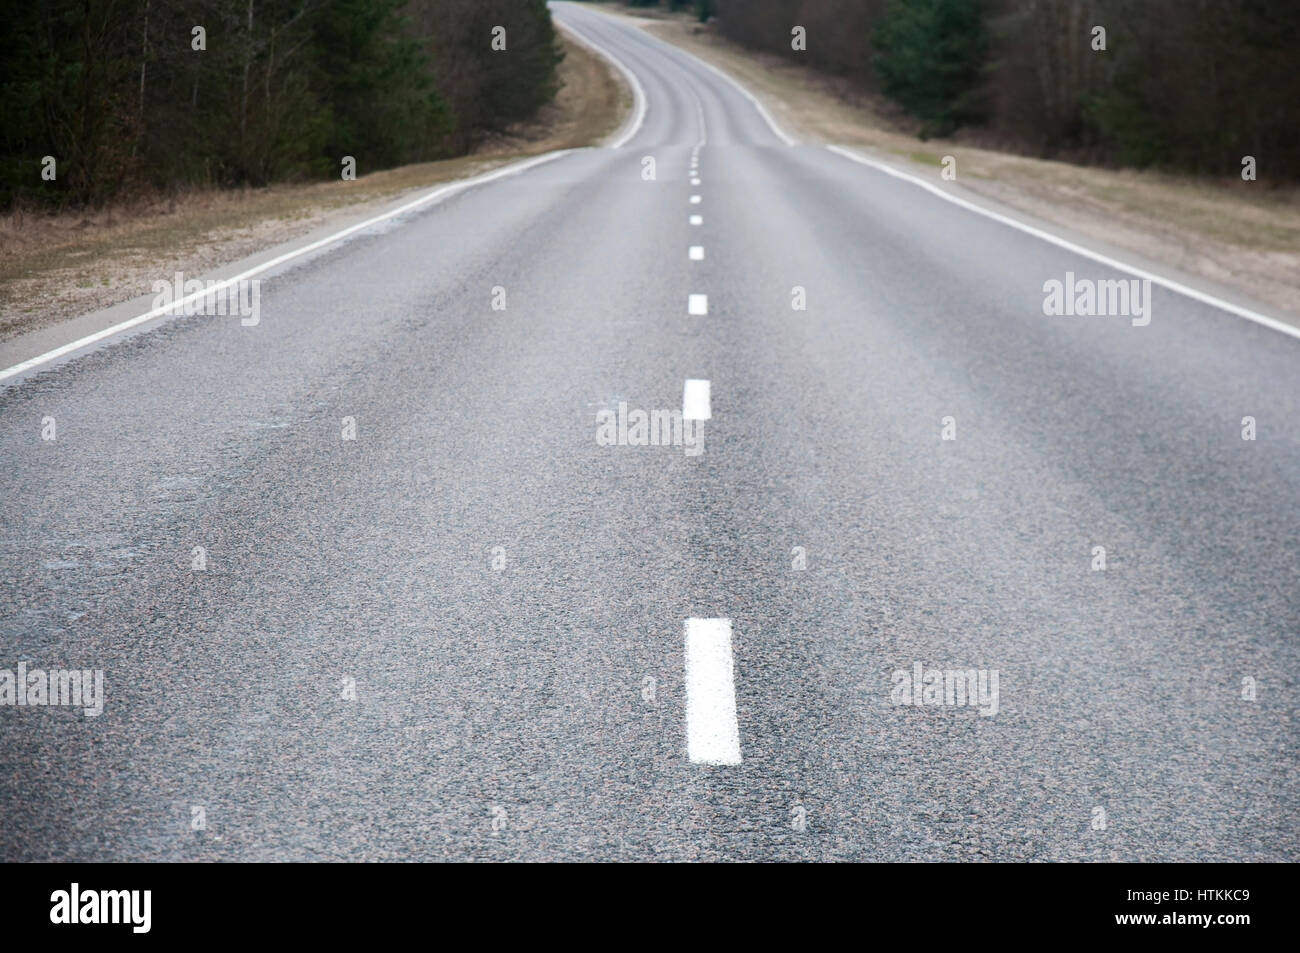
712,732
697,253
695,401
695,181
697,219
695,200
697,304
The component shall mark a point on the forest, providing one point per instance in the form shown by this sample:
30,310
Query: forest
105,98
1188,85
126,96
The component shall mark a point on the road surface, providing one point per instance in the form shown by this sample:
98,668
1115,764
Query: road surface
471,632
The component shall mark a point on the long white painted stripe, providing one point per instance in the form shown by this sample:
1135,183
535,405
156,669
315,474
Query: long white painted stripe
638,94
697,219
712,732
177,307
697,253
696,400
1155,279
697,304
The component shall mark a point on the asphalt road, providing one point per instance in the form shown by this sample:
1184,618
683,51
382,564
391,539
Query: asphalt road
509,596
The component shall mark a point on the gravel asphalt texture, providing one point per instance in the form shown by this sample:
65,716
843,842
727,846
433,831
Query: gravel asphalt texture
508,713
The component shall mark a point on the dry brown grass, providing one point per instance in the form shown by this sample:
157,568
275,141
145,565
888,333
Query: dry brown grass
57,266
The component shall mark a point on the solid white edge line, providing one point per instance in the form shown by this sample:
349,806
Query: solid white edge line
638,94
441,191
712,729
1155,279
697,400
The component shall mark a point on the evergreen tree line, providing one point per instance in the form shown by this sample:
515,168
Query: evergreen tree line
1191,85
152,94
702,9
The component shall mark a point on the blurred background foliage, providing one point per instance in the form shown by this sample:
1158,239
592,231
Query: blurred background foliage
1190,85
117,93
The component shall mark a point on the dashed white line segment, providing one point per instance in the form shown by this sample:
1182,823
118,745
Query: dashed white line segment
696,400
712,731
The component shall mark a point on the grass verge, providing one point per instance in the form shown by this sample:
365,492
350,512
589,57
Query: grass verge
57,266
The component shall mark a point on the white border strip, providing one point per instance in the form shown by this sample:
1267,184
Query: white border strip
1155,279
440,192
712,731
638,94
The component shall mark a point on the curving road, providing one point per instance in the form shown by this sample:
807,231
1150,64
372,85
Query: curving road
464,633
